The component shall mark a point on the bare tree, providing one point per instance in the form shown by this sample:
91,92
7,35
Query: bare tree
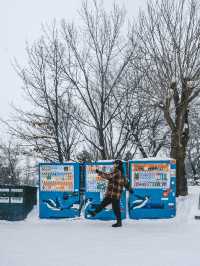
47,129
9,166
168,36
193,149
145,128
151,134
96,61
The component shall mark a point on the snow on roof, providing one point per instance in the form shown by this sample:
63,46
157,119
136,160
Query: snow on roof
153,159
104,161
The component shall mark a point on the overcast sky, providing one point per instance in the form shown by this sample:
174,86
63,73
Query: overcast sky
20,22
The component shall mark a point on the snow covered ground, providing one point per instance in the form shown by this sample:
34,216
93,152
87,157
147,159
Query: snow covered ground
171,242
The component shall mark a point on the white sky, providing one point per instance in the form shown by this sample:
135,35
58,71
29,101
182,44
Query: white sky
20,21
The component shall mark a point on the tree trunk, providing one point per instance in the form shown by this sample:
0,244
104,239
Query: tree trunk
102,146
178,152
60,155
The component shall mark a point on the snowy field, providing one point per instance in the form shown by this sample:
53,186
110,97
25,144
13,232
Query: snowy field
173,242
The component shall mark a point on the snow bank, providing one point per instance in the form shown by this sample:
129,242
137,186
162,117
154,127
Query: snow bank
79,242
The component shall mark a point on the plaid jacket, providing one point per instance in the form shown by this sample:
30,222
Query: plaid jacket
116,183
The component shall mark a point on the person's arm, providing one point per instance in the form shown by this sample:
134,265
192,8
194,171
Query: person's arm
128,185
104,175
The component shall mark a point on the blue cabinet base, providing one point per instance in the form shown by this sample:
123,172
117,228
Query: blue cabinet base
152,214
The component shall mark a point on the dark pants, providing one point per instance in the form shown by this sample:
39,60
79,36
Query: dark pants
115,205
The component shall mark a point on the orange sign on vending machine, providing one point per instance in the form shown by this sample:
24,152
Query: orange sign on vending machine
152,175
94,182
56,177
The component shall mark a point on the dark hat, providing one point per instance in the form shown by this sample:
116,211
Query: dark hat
118,162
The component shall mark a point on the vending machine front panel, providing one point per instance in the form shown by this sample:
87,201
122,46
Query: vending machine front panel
59,190
154,185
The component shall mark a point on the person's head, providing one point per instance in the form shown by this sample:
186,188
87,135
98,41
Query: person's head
118,164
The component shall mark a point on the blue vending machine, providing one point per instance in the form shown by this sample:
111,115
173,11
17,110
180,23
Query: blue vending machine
59,195
154,184
95,188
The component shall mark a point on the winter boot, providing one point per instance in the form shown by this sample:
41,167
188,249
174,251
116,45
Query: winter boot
117,224
92,213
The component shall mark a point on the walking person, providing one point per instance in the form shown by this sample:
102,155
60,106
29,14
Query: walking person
116,183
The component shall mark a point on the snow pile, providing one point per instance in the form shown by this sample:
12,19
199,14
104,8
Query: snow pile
171,242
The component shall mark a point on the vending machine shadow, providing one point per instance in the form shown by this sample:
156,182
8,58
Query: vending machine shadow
95,188
59,190
154,184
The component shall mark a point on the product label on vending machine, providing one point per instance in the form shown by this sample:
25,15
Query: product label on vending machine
57,177
154,175
16,199
4,199
4,195
94,182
